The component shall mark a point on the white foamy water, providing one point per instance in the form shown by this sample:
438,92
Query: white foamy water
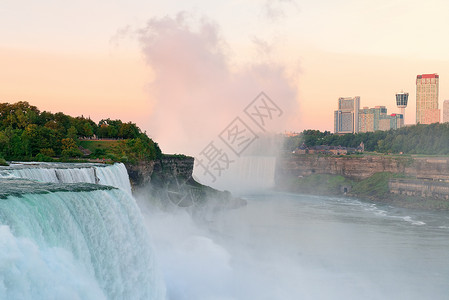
75,245
113,175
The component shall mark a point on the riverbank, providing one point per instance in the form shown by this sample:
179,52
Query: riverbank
411,182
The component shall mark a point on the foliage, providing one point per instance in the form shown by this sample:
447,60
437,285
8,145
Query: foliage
430,139
47,152
27,133
43,157
140,148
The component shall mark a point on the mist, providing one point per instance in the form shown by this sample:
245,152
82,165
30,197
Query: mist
196,89
291,247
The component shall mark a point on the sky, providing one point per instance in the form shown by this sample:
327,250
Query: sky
182,70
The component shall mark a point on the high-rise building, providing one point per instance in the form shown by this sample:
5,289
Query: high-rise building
369,118
401,102
372,119
346,117
427,111
446,111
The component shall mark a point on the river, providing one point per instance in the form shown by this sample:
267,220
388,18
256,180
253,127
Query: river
284,246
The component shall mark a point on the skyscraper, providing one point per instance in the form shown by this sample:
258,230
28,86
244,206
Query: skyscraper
446,111
427,111
346,117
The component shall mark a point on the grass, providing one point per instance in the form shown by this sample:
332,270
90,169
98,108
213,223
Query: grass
99,144
375,186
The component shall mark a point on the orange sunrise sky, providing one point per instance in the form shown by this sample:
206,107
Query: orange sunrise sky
177,67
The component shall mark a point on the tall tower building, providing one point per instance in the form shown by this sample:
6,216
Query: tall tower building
427,111
346,117
446,111
401,102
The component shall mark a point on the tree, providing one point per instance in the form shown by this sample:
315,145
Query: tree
69,148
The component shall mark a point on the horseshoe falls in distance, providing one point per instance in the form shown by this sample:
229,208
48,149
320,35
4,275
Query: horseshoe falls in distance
64,237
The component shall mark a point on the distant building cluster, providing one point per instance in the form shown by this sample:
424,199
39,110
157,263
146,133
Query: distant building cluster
372,119
350,118
329,150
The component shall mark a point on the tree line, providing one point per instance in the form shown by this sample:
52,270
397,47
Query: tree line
26,133
430,139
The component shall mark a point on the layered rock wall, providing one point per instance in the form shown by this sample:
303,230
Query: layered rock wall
361,167
168,169
419,188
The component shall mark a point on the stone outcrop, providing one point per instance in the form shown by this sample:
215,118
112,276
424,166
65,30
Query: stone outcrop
140,173
166,170
173,169
170,180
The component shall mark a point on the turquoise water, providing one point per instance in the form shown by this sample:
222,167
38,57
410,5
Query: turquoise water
75,245
65,239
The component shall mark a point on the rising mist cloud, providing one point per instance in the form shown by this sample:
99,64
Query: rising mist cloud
196,90
275,10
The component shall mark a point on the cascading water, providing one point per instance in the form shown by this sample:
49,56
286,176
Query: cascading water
251,171
113,175
245,174
73,240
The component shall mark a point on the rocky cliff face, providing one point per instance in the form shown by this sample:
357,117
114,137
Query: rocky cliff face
164,171
170,181
140,173
352,167
362,167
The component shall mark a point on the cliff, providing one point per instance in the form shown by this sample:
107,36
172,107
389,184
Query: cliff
359,167
170,181
409,181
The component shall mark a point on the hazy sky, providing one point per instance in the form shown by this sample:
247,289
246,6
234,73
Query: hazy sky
174,67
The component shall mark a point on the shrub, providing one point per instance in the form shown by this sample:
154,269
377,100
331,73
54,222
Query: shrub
3,162
47,152
43,157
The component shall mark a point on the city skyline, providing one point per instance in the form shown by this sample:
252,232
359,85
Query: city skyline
161,64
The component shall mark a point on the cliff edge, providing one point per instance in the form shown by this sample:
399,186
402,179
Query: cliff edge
170,180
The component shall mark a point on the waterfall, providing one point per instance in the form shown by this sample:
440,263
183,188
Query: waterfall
77,244
245,174
112,175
